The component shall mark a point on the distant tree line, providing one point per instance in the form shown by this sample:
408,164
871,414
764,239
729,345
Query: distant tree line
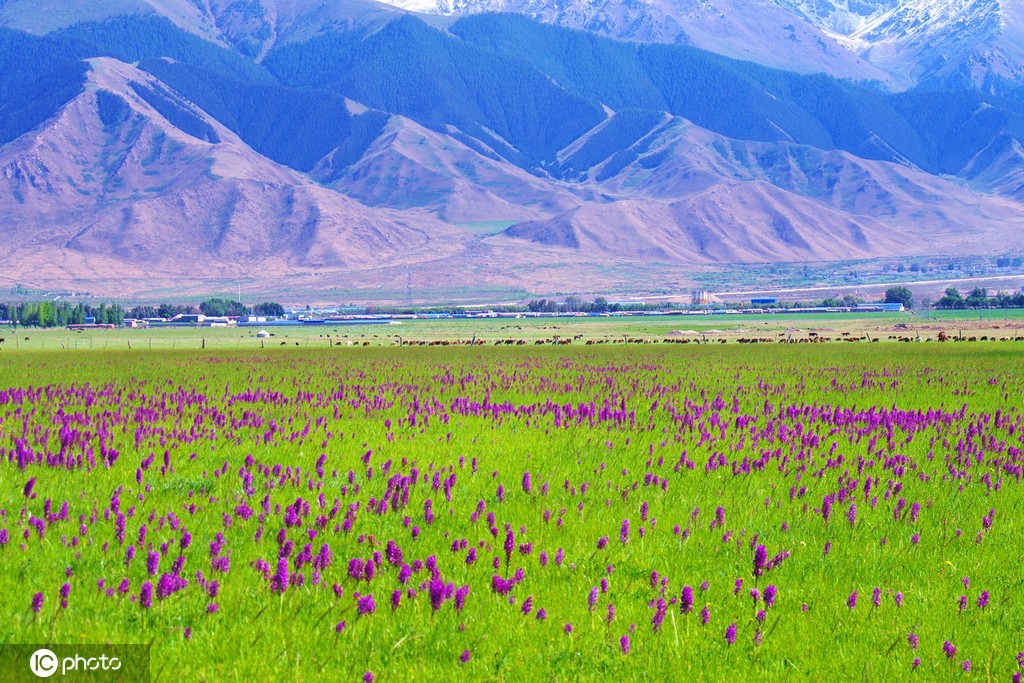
979,298
216,307
59,314
572,304
847,301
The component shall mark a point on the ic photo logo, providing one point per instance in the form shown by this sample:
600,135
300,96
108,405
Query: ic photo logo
44,663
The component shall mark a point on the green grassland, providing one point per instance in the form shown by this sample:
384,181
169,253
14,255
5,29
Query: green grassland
578,330
936,426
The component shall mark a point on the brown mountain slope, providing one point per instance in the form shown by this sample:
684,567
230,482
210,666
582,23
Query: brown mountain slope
412,167
689,195
727,223
111,183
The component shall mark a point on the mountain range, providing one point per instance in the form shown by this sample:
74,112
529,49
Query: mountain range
175,146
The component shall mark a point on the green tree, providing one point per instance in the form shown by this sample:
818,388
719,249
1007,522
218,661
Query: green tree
217,307
269,308
952,299
899,295
978,298
221,307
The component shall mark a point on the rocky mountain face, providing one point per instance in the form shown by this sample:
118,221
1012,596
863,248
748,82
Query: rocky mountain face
757,30
132,179
357,147
897,42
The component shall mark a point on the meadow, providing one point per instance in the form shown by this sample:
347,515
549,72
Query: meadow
489,330
713,512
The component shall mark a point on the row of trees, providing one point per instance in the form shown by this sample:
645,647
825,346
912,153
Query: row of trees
59,314
213,307
979,298
572,304
847,301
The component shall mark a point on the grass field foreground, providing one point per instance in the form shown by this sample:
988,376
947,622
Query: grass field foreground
712,512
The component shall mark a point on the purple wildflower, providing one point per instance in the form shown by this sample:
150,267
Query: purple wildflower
366,605
686,600
146,595
279,582
460,597
760,560
770,594
153,563
437,590
730,633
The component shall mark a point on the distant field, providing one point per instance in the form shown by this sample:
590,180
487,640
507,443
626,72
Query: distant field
975,315
717,512
579,331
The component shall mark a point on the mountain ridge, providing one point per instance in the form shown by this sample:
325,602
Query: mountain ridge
376,147
103,180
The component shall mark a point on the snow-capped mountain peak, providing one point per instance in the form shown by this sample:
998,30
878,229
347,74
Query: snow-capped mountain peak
840,17
898,42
